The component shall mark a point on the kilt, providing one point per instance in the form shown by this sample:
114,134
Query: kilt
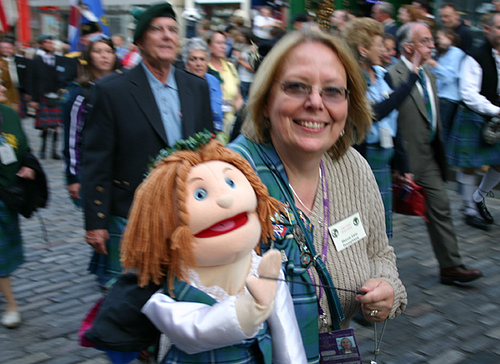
108,266
48,117
23,105
11,248
379,160
465,147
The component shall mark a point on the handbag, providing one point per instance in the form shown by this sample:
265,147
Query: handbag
22,197
409,199
116,322
491,130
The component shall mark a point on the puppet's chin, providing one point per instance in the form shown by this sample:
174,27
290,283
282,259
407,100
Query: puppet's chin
224,227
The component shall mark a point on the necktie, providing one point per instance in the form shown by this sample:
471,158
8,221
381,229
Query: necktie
427,101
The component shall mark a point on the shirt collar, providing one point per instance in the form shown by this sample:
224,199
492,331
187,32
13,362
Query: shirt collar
407,62
155,83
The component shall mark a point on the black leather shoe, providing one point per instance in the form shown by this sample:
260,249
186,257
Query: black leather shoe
483,211
476,222
459,274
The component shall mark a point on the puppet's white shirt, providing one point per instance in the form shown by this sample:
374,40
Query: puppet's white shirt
196,327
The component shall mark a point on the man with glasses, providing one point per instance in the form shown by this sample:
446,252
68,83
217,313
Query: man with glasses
135,114
420,127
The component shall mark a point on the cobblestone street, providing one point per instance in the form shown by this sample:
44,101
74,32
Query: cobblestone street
442,324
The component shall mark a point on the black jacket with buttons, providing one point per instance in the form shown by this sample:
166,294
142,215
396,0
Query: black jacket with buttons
124,132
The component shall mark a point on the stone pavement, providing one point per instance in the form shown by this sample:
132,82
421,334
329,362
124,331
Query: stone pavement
442,324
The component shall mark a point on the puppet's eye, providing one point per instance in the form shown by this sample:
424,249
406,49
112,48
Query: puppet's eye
230,182
200,194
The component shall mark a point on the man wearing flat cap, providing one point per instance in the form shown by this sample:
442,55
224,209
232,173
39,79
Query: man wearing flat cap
135,114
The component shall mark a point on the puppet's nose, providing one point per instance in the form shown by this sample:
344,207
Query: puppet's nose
225,201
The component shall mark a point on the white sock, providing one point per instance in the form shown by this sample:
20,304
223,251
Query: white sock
489,181
467,188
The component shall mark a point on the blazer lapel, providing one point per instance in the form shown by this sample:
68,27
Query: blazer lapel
142,93
415,94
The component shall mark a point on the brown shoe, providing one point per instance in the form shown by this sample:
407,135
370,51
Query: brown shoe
459,274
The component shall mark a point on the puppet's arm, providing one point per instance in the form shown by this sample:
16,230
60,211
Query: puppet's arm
196,327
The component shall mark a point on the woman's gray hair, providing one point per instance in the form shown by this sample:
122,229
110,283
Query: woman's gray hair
194,44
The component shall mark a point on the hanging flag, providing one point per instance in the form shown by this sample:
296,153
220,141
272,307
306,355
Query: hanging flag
84,12
95,7
8,15
23,25
74,23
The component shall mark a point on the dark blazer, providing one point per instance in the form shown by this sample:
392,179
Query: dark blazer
124,132
22,66
45,78
414,123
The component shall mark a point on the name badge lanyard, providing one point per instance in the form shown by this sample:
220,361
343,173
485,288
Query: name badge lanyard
331,293
326,223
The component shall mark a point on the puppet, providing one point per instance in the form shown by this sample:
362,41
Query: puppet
196,223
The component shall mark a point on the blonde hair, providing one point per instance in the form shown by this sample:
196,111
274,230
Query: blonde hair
257,127
157,241
360,31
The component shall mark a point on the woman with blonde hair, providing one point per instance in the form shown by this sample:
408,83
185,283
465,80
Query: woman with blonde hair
382,145
307,106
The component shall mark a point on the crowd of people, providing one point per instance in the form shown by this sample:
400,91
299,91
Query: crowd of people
328,119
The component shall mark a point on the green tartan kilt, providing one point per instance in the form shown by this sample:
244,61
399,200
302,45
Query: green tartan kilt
11,247
465,147
379,160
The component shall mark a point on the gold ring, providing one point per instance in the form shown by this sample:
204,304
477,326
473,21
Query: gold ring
373,313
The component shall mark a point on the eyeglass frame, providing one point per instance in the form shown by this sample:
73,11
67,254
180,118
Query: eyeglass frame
426,42
309,87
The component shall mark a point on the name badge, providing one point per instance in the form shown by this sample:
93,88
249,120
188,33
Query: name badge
7,154
386,140
339,347
60,69
347,232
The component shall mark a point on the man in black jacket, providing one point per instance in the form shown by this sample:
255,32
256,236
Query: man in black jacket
136,114
48,74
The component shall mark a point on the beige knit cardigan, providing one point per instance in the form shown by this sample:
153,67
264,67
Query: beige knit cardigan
352,188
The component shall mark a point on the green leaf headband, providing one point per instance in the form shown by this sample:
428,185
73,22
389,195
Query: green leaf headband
194,142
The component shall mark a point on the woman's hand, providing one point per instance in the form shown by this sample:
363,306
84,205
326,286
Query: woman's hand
377,303
26,173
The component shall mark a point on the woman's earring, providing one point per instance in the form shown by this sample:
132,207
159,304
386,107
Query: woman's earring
342,133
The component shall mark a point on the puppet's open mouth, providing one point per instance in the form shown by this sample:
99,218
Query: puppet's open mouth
224,227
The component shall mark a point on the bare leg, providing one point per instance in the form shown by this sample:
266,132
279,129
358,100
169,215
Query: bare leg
6,289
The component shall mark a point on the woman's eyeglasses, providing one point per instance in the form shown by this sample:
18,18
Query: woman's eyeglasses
300,90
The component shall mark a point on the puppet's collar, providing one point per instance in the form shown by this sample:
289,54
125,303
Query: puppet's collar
217,292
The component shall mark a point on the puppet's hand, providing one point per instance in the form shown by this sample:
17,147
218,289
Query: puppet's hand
264,290
252,310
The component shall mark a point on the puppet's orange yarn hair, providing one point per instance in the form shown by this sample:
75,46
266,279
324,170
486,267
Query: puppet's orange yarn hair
157,240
